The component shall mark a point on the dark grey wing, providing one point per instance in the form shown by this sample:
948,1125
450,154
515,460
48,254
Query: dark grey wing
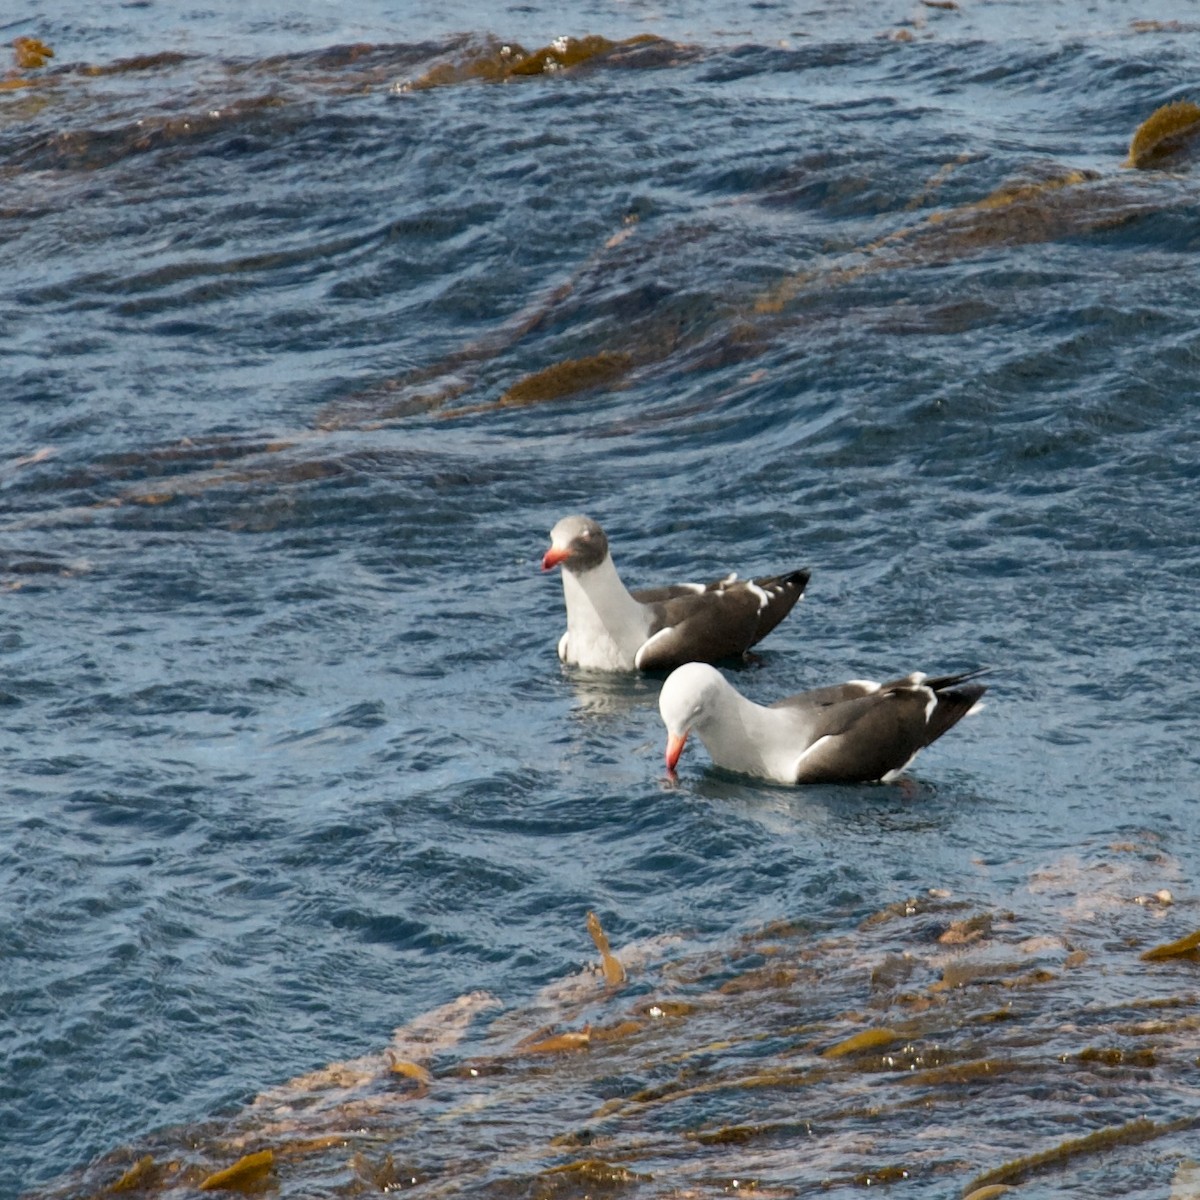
659,595
956,695
782,590
723,619
700,627
864,738
934,683
853,688
953,703
782,593
823,697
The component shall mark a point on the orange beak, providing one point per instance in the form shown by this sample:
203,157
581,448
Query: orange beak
553,557
675,743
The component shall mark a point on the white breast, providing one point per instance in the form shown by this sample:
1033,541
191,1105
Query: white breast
606,626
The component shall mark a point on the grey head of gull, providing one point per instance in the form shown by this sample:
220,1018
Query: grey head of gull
854,732
612,629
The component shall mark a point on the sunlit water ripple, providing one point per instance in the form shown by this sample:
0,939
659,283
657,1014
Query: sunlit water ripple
289,758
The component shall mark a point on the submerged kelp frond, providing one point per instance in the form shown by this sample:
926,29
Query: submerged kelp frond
1055,203
1012,192
1039,206
1163,133
137,62
560,380
567,378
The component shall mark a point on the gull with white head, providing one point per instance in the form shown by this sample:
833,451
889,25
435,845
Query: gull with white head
854,732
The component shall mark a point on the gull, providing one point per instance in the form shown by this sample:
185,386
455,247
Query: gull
612,629
852,732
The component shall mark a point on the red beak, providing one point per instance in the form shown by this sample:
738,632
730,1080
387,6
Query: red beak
675,743
553,557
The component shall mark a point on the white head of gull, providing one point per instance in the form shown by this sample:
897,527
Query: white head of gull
612,629
853,732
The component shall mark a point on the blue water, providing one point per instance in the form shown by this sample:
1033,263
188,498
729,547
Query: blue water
288,757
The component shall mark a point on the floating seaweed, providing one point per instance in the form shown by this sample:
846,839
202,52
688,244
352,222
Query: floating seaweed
249,1171
957,1074
1132,1133
963,933
414,1071
1049,202
1114,1056
868,1039
596,1171
420,1115
31,52
558,1043
495,61
556,382
1188,945
877,1175
1163,133
614,973
139,1176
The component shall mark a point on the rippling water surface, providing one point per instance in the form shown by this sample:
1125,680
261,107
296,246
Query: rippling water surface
302,359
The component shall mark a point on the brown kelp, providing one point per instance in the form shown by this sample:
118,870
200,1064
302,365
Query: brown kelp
614,973
806,1060
1048,201
209,97
247,1172
1164,133
1188,945
1132,1133
494,61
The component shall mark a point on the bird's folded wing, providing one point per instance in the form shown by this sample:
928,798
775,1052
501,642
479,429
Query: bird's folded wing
863,739
704,627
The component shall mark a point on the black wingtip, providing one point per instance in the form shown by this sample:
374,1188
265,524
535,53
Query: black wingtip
953,703
942,682
797,579
784,592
